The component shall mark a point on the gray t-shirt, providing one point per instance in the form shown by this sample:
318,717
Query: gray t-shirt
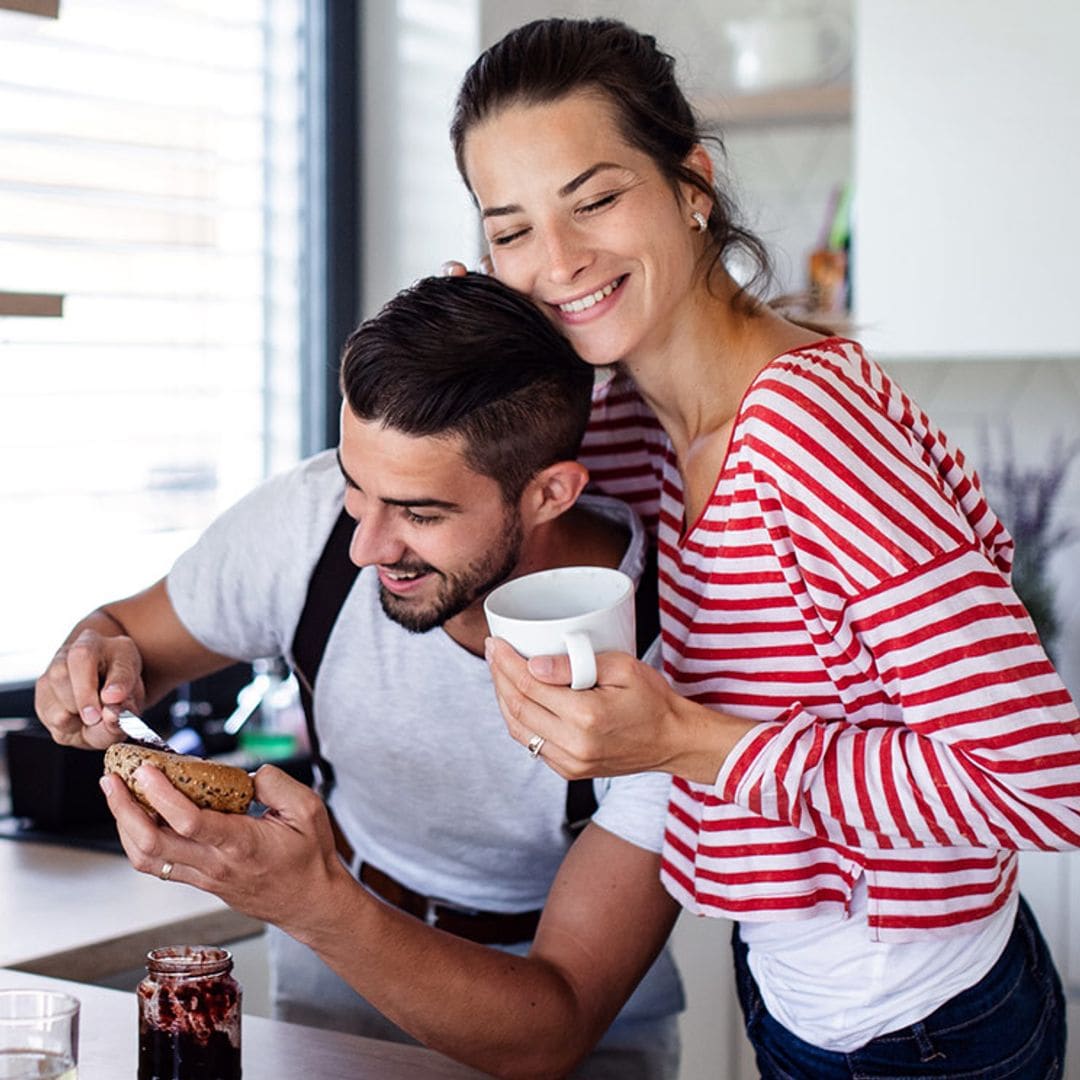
430,787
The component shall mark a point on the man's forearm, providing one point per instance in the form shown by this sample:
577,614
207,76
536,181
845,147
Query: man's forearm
509,1015
126,652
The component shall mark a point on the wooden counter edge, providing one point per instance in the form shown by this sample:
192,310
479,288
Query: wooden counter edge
128,952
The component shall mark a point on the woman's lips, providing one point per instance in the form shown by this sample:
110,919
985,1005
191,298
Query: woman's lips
590,305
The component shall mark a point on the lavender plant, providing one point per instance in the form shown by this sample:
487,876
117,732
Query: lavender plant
1026,499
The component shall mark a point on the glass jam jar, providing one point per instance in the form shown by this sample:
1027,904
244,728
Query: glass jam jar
189,1015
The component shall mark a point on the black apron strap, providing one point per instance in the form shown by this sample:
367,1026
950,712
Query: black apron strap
329,585
647,603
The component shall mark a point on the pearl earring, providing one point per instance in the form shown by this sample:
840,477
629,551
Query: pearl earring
700,220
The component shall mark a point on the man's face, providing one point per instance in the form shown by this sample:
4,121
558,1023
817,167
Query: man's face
439,535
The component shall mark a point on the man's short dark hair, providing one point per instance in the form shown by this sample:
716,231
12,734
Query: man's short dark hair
468,356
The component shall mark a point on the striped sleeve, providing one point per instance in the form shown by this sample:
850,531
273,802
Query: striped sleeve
976,740
956,730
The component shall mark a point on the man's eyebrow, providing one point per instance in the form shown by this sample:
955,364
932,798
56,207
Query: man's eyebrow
437,504
567,189
427,503
349,481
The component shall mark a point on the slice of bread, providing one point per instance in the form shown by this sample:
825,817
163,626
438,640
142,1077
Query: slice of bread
206,783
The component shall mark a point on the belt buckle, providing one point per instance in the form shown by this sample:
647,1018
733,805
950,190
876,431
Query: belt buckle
435,907
431,911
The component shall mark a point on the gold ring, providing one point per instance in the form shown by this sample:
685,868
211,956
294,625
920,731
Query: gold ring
166,871
535,745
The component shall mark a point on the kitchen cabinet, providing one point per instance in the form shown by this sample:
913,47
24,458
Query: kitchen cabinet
966,218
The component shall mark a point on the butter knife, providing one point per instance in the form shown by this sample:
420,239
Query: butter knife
138,731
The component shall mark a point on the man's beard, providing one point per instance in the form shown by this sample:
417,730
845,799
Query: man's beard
455,592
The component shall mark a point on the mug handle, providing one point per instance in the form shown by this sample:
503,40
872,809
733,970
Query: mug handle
582,660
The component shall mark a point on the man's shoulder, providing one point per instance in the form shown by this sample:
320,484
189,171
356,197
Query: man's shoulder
316,478
618,530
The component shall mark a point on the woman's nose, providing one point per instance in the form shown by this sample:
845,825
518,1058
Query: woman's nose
566,254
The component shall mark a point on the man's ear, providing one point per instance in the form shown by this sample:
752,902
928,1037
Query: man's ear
552,491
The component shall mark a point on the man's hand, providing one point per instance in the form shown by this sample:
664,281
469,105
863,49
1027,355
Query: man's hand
126,654
268,867
89,682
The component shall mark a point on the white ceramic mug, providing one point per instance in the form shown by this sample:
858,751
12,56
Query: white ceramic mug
578,611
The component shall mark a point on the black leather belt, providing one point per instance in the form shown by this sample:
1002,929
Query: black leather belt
483,927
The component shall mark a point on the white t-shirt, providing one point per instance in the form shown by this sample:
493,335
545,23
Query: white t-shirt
430,788
826,981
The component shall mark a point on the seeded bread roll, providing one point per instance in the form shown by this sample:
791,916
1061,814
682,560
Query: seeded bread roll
206,783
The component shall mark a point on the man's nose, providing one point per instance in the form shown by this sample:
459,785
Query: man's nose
373,541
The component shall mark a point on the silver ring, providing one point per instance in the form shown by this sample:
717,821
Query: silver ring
166,871
535,745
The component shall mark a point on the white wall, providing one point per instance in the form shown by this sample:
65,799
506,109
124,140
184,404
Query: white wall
416,210
966,174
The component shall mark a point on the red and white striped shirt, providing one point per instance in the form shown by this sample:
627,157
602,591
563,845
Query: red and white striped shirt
847,586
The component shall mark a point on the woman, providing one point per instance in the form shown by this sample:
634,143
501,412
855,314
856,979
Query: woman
862,726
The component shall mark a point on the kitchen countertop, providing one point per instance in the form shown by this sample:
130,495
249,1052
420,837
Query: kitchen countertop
84,915
69,916
271,1049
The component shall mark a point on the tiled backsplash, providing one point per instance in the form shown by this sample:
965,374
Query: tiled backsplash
784,178
978,403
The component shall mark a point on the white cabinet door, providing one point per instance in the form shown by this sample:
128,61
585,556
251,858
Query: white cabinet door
967,221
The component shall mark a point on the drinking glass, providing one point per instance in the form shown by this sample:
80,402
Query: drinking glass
39,1035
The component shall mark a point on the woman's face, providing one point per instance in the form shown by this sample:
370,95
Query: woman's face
584,224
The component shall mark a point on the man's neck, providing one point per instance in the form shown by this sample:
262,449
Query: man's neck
580,537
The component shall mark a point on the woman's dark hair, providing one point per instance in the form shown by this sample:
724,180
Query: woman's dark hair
467,356
545,60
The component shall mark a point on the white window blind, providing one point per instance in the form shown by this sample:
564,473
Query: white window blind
151,172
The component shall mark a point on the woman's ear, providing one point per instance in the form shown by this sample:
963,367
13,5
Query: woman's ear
552,491
698,161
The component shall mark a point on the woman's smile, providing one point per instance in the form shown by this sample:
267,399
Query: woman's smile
590,304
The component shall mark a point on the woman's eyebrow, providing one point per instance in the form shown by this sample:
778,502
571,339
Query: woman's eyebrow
567,189
588,174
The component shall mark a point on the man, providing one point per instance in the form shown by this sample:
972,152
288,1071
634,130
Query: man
464,410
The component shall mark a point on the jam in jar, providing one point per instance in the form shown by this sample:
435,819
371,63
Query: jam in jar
189,1015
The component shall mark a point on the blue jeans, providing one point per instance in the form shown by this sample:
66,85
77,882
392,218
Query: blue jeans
1009,1024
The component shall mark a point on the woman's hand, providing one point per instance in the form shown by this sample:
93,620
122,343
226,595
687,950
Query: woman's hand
631,721
453,268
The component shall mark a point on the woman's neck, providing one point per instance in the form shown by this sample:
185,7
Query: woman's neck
695,379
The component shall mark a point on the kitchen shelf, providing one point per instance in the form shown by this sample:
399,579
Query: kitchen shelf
36,305
826,104
50,9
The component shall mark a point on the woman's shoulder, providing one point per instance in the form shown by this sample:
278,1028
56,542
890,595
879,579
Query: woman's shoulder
830,381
